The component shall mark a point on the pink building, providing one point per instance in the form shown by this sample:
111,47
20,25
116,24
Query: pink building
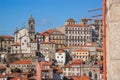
44,71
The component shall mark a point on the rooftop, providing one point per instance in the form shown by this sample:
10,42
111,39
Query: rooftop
22,62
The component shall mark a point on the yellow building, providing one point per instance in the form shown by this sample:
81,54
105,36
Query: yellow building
80,54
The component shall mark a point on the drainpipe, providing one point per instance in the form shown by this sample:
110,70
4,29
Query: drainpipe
104,39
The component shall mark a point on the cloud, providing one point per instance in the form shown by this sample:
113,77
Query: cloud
43,22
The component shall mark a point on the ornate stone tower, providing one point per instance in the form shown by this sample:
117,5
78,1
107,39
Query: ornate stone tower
31,27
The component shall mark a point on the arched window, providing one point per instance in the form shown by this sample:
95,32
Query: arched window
90,74
95,76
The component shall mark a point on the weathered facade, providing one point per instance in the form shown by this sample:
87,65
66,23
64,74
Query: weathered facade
113,39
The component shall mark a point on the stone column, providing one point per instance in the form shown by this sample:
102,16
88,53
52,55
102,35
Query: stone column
113,39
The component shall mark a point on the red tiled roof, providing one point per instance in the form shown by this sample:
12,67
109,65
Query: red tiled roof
74,62
32,77
48,32
59,71
45,63
75,77
16,44
81,51
22,62
12,74
14,79
6,37
84,78
47,42
60,51
100,62
33,41
2,67
70,20
68,47
76,25
2,76
99,49
26,73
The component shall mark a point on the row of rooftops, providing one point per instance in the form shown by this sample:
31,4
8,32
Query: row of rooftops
7,37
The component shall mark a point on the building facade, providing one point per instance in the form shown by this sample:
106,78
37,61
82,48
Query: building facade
80,54
6,43
48,49
44,71
52,35
77,34
24,37
60,57
23,65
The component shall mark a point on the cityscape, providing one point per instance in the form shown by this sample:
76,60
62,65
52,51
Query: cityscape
84,49
68,52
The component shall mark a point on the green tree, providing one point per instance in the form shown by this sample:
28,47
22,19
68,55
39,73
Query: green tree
16,70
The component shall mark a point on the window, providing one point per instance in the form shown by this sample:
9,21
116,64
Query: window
57,56
16,47
96,76
61,56
22,43
90,74
24,40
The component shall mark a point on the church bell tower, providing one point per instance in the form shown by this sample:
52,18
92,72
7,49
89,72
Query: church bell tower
31,27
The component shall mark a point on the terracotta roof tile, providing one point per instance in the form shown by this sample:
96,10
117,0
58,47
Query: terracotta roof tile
6,37
16,44
60,51
45,63
2,67
59,71
34,41
84,78
2,76
81,51
48,43
70,20
99,49
76,25
74,62
22,62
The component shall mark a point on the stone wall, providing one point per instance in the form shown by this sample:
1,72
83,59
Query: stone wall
113,39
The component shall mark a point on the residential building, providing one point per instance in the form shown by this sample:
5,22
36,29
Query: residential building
2,69
97,30
60,57
3,77
75,68
91,47
6,43
80,54
44,71
34,46
77,34
23,65
48,49
52,35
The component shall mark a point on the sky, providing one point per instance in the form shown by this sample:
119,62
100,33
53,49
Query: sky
47,13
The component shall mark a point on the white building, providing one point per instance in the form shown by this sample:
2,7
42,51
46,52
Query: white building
23,37
60,57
